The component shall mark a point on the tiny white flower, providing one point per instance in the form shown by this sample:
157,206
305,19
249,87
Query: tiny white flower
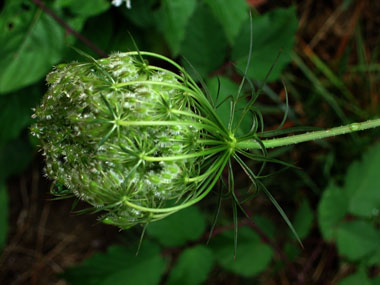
117,3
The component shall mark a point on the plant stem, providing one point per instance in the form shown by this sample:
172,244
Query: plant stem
310,136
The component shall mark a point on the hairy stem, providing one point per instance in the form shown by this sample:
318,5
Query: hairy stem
310,136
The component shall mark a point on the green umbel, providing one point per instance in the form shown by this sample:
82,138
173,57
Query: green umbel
124,136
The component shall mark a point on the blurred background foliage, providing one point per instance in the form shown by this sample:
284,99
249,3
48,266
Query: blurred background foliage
326,53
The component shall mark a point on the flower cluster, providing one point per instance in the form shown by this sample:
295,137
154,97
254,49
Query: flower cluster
126,137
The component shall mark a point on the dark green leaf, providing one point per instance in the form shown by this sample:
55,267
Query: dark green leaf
205,43
273,35
193,266
3,214
357,239
84,8
376,281
375,258
359,277
120,265
303,219
332,208
292,250
172,19
15,112
362,184
252,257
179,228
265,224
231,15
14,157
30,43
141,14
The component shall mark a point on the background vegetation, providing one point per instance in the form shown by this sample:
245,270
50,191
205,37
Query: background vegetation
326,52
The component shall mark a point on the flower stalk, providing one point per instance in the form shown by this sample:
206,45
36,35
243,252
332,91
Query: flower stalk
309,136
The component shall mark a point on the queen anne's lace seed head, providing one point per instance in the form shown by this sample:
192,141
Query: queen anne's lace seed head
105,128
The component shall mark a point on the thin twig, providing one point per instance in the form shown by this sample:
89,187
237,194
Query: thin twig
70,30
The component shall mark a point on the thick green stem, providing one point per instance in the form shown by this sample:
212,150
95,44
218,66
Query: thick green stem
277,142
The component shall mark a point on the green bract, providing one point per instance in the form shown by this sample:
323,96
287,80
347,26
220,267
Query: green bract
135,141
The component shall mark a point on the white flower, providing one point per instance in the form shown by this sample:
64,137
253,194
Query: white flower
117,3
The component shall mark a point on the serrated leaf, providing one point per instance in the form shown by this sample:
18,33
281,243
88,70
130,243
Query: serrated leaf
332,208
172,19
363,184
230,14
228,89
31,42
120,265
193,266
357,239
205,44
359,277
273,36
252,255
15,112
303,219
179,228
3,214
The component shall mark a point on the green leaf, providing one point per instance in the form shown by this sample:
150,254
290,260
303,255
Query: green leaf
30,43
15,112
273,36
179,228
15,156
3,214
265,224
332,208
141,14
228,90
205,44
100,25
359,277
172,19
120,265
193,266
375,258
84,8
362,184
376,281
357,239
252,256
230,14
303,220
292,251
